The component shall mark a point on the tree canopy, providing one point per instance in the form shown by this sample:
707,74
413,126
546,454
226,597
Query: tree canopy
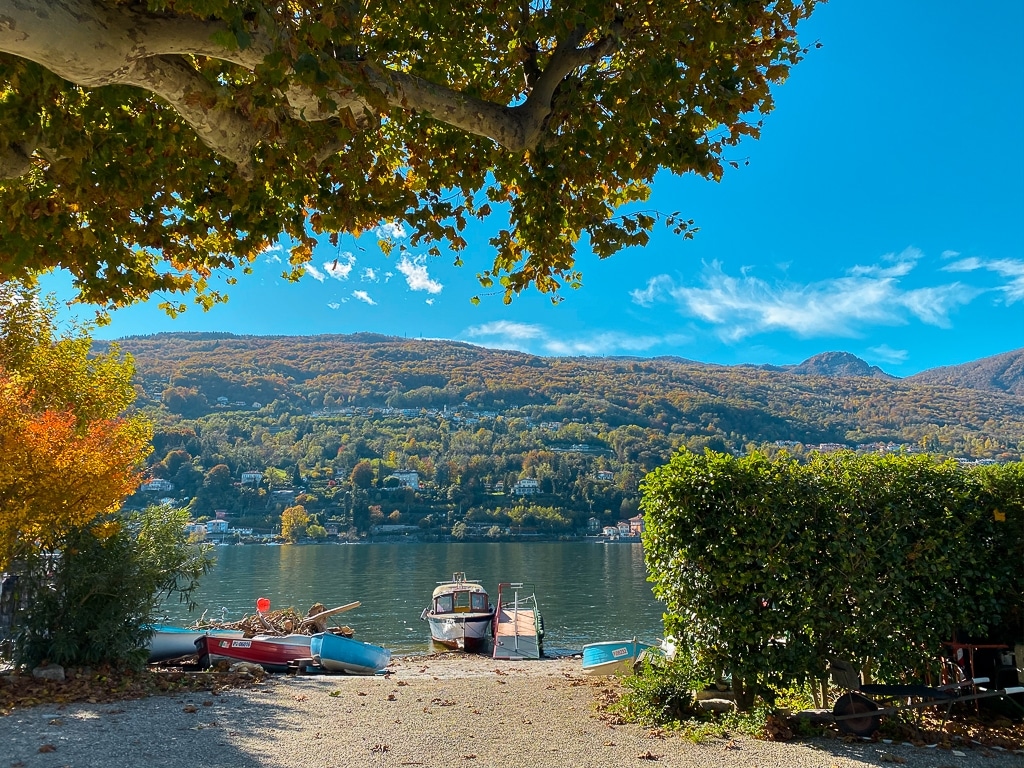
70,454
148,145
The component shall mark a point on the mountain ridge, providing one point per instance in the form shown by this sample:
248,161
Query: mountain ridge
1003,372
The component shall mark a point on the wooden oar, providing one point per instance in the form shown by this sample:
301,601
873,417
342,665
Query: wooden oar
329,612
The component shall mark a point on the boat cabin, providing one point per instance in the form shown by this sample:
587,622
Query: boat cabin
463,601
460,596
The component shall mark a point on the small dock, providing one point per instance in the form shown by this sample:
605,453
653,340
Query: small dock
518,626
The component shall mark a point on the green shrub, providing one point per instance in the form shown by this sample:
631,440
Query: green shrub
93,601
659,693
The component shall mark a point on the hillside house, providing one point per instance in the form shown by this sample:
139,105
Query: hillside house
407,478
528,486
157,485
217,527
252,477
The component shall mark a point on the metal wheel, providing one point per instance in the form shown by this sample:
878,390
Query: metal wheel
855,714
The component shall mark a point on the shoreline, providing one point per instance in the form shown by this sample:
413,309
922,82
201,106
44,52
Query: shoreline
437,710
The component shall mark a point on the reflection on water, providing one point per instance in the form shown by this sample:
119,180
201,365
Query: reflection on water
587,591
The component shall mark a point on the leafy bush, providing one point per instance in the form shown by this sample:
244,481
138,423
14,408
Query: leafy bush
769,567
658,694
92,601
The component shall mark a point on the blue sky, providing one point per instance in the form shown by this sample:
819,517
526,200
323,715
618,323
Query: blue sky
881,213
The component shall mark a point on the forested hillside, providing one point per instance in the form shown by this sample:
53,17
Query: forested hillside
471,422
999,373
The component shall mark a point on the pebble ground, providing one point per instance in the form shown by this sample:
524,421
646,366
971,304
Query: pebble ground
438,711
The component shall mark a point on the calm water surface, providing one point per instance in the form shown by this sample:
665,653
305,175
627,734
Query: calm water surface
587,592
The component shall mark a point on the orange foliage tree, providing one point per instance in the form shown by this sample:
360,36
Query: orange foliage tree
70,451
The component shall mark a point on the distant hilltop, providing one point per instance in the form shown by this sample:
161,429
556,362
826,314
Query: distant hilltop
832,364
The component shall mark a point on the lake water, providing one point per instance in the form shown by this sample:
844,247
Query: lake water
587,592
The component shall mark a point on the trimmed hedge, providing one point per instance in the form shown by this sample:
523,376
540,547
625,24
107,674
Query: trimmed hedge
769,567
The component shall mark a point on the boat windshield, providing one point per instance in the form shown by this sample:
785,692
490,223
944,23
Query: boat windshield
443,604
479,601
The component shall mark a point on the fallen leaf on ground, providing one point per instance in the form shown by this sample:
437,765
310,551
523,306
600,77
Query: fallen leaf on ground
888,757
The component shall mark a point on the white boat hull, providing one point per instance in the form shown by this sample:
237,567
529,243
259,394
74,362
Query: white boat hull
464,631
169,643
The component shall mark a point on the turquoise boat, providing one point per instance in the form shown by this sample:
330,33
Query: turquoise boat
337,653
613,657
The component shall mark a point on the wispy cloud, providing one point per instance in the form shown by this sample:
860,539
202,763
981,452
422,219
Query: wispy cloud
529,337
601,344
391,229
370,275
416,277
334,305
365,297
1011,270
273,255
506,329
341,267
895,265
886,354
313,272
844,306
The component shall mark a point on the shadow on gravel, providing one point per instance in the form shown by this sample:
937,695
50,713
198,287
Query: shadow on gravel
882,754
165,731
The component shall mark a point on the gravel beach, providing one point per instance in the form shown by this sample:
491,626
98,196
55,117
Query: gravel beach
437,711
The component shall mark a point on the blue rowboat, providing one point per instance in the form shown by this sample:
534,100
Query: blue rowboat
337,653
613,657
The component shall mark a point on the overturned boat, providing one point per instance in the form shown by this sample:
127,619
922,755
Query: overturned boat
274,654
337,653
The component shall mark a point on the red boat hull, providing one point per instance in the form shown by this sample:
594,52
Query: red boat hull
274,654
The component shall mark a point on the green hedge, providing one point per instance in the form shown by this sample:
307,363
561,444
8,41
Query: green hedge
769,567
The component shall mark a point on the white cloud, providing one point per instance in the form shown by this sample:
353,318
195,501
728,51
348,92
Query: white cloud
970,264
508,329
933,305
901,264
364,296
388,276
416,277
430,302
341,267
867,295
334,305
1012,270
527,337
391,229
887,354
370,275
274,254
601,344
656,286
313,272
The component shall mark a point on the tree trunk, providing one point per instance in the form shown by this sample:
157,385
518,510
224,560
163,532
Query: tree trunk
744,692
